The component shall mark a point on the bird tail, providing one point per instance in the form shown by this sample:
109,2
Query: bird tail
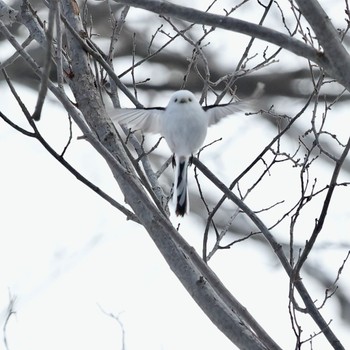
180,186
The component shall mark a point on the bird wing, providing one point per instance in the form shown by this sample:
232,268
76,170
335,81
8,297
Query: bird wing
217,112
145,119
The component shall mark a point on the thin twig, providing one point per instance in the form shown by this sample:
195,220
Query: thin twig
47,66
103,63
121,325
14,57
9,312
277,248
321,219
80,177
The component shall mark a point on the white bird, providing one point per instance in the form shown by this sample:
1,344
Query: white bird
183,123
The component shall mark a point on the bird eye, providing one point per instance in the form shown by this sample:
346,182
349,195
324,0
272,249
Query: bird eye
175,100
190,99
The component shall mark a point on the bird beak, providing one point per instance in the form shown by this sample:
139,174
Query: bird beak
183,100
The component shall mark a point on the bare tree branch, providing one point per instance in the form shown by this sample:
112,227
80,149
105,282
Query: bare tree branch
233,24
312,310
180,257
74,52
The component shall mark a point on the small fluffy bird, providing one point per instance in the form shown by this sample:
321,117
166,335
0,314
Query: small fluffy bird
183,123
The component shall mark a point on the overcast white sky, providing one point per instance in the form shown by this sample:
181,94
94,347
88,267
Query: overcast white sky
65,253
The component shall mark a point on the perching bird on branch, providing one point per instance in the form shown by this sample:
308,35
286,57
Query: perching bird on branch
183,123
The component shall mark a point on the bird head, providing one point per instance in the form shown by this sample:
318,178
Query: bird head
182,97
